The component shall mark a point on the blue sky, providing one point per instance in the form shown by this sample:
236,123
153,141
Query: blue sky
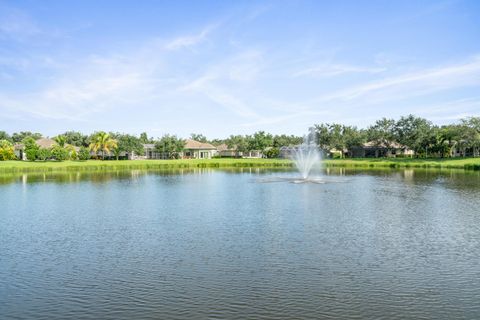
234,67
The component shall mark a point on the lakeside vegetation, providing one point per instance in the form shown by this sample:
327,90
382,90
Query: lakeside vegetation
420,137
434,163
98,165
28,166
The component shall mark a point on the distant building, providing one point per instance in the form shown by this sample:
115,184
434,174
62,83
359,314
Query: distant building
224,151
192,150
198,150
43,143
373,150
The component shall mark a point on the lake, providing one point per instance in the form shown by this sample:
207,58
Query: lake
212,244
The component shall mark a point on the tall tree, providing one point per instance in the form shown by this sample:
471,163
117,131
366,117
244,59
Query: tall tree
198,137
18,137
382,133
170,146
101,141
31,148
61,140
260,140
144,138
415,133
285,140
127,143
5,136
76,138
237,142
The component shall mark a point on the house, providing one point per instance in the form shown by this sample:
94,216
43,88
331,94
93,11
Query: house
375,150
192,150
224,151
198,150
150,153
43,143
458,151
287,152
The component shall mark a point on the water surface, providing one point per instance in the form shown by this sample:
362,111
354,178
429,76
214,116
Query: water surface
208,244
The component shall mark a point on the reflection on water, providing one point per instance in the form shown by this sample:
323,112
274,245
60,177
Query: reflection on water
105,176
209,243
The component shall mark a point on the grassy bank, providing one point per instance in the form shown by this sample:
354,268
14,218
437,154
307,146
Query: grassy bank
452,163
97,165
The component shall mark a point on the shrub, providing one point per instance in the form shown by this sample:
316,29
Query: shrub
83,154
43,154
6,150
59,153
31,148
272,153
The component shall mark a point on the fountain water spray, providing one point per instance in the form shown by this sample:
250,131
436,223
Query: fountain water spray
307,154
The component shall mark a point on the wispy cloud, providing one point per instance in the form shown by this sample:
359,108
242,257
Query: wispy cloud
335,70
16,24
183,42
423,81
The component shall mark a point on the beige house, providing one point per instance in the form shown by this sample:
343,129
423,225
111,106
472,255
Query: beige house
192,150
198,150
224,151
374,150
43,143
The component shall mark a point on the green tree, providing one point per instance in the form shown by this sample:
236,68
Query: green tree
43,154
382,133
144,138
30,148
5,136
271,153
259,141
127,143
61,140
83,153
59,153
101,141
353,137
170,146
76,138
470,133
72,152
415,133
324,139
7,151
198,137
18,137
237,142
286,141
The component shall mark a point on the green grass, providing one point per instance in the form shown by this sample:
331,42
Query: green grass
452,163
97,165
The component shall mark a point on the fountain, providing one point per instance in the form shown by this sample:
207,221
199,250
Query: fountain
306,155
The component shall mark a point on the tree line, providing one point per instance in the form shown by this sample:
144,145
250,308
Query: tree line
418,134
73,145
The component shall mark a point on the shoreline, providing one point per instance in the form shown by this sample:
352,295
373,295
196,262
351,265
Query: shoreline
98,165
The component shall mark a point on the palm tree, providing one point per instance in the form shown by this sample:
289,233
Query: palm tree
102,141
61,140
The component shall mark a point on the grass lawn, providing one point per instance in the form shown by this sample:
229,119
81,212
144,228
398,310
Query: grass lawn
98,165
92,165
451,163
